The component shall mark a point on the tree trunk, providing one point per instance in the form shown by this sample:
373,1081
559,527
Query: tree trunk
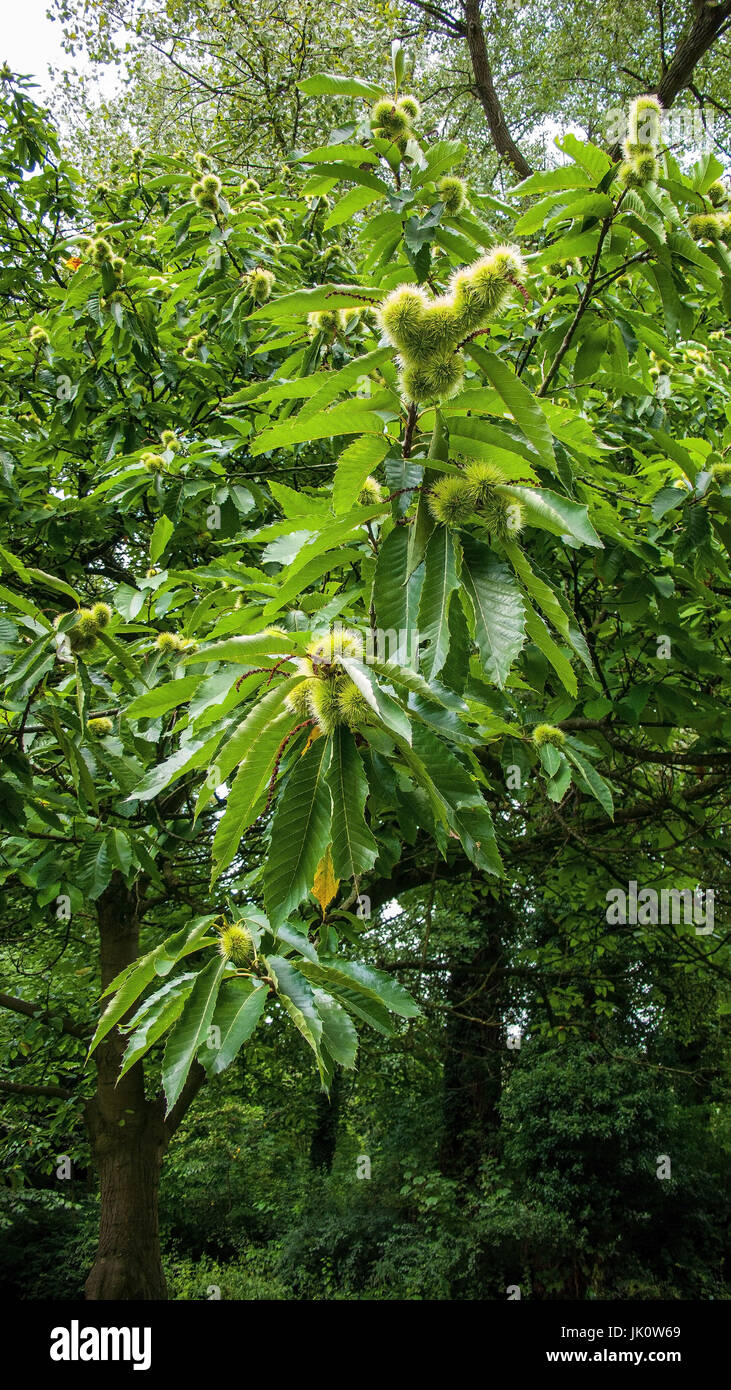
708,22
485,91
128,1155
473,1059
128,1135
325,1134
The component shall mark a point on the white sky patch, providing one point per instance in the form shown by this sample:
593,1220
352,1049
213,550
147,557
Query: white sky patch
548,131
30,43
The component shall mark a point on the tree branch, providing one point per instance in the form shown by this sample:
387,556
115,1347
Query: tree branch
648,755
409,875
55,1092
22,1006
583,303
485,91
453,26
196,1077
707,25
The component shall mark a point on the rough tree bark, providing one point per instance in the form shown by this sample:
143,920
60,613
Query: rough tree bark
485,91
708,23
471,29
710,20
473,1056
325,1133
127,1133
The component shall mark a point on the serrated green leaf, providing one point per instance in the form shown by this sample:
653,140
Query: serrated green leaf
120,850
95,867
354,849
302,302
590,780
423,524
390,713
553,513
596,162
249,784
245,651
191,1029
244,738
161,533
163,698
339,420
157,1018
396,599
127,987
467,811
333,84
194,754
368,1010
538,633
666,499
521,403
338,1032
497,607
239,1008
334,384
300,833
297,996
364,979
440,581
433,690
335,558
568,176
330,537
353,467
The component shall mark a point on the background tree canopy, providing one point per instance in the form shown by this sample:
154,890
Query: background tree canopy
364,629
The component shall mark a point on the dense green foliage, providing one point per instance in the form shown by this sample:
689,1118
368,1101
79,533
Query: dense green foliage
363,621
568,1205
199,71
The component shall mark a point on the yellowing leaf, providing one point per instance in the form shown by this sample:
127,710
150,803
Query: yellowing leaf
326,884
316,733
